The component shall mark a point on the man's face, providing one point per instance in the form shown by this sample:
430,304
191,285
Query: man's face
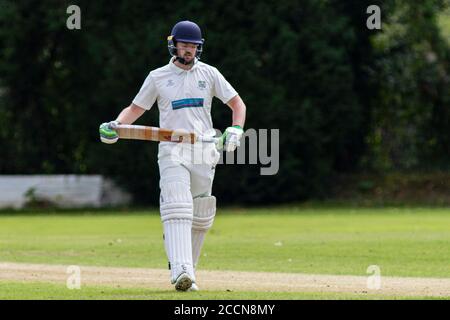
186,50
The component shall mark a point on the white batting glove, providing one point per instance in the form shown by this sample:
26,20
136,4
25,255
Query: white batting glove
230,140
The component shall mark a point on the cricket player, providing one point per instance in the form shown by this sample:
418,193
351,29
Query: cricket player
183,90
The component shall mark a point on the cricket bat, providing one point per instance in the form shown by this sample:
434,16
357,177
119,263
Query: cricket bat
137,132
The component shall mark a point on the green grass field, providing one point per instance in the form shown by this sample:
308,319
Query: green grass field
339,241
50,291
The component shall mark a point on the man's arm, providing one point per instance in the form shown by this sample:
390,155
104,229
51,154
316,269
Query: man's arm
130,114
237,105
230,139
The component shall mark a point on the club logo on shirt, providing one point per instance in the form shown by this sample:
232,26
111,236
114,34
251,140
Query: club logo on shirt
170,83
201,84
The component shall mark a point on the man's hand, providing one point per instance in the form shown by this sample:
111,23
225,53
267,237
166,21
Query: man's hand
230,139
108,134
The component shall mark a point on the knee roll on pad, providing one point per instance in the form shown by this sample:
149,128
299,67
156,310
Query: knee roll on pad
175,201
204,213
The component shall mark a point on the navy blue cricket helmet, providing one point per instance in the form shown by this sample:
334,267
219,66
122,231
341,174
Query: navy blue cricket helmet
185,31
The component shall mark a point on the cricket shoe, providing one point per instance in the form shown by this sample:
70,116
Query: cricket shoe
194,287
183,282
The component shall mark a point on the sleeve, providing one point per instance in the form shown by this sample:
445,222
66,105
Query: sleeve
147,94
222,88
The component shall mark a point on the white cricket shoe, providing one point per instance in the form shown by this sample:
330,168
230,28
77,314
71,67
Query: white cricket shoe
183,282
194,287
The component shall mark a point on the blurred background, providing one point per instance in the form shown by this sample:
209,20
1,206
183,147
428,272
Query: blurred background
364,115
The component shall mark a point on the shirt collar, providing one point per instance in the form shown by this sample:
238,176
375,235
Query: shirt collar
178,70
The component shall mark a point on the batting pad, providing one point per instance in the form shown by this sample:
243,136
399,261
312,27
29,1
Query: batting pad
175,201
204,213
176,215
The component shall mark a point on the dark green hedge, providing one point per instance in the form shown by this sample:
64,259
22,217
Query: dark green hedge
336,90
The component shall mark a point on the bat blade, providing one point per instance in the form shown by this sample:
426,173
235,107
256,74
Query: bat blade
137,132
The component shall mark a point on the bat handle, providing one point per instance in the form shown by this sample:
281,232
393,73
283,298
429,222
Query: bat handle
208,139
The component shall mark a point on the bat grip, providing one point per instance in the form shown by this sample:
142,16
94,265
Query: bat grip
208,139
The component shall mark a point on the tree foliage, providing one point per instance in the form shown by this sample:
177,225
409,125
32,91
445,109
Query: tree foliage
344,98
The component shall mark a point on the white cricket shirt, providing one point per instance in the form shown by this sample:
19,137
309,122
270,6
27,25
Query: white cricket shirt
184,96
